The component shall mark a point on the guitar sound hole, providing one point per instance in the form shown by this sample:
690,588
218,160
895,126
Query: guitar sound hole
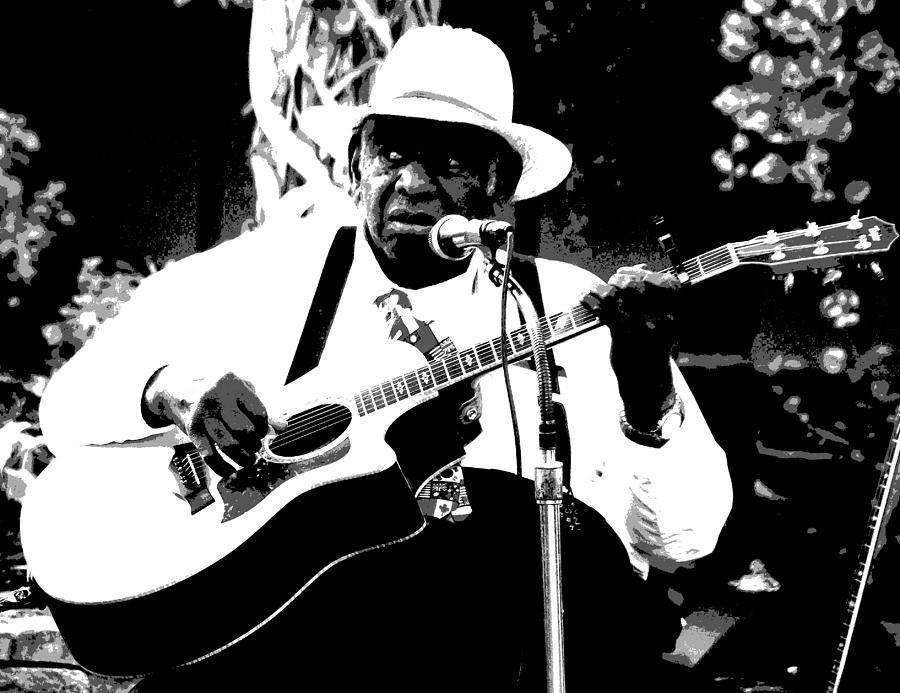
311,429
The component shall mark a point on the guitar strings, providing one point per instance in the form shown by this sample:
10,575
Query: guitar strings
312,423
706,263
452,365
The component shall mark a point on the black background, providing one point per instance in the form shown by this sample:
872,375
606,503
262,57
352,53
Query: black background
138,107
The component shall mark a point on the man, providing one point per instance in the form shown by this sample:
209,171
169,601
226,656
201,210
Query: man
207,345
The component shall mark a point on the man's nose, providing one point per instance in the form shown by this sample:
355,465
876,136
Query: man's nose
413,178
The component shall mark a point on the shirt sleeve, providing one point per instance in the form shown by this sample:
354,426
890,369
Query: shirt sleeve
225,309
678,496
95,398
668,504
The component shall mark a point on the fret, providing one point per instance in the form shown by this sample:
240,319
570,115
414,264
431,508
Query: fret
468,359
495,350
388,391
485,353
425,378
378,397
454,366
583,317
521,340
685,273
413,386
367,401
400,388
700,270
732,253
546,331
440,374
496,345
714,262
359,405
561,323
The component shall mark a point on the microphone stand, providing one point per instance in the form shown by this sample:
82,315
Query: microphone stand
548,486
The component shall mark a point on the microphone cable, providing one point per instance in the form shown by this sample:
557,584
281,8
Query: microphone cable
504,357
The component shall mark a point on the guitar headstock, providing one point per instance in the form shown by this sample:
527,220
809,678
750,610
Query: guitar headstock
817,246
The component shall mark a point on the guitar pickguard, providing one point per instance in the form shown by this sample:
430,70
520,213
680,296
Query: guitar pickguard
249,486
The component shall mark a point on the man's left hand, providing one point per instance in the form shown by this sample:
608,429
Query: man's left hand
640,308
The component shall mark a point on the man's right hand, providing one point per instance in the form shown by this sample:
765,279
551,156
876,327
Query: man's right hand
221,411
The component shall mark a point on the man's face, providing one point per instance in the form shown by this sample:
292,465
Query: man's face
411,173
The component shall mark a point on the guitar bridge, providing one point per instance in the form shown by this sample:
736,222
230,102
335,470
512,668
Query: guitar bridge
189,470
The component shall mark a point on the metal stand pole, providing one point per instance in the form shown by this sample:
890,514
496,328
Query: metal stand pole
548,493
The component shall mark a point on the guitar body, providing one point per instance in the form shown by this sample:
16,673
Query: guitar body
122,555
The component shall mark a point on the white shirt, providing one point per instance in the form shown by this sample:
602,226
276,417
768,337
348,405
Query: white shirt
241,307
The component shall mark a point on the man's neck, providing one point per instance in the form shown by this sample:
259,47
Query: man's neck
415,275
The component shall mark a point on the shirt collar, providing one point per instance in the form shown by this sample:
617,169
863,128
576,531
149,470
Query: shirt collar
468,283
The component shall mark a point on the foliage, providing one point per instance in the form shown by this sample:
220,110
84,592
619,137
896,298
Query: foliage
308,53
100,298
801,87
29,226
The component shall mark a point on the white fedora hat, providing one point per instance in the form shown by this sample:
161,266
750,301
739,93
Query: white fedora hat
451,75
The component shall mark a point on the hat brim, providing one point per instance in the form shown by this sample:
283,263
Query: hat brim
545,160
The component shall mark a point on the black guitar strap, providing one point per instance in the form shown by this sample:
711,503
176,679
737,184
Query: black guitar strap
524,269
324,304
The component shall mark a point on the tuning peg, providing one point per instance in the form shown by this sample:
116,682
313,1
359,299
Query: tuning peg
668,246
788,282
876,270
831,276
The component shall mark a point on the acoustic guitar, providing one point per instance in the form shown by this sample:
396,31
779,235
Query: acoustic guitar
121,539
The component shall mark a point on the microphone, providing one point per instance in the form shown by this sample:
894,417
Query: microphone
453,237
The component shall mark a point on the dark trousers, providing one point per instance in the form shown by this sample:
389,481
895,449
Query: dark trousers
457,608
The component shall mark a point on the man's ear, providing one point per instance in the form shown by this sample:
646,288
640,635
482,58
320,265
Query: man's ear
491,187
353,169
498,190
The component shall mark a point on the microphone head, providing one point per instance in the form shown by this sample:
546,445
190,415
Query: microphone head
440,239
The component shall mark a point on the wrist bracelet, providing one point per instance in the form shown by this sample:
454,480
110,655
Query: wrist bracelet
665,428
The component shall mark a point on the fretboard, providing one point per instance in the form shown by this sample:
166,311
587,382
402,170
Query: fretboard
467,363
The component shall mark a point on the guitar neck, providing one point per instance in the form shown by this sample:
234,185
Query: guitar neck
875,523
465,364
813,246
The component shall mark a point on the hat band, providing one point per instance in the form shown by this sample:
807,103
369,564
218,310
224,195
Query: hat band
446,99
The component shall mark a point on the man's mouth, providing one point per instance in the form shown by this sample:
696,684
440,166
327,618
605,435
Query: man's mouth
407,218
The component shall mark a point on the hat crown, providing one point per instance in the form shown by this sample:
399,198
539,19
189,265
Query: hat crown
457,66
